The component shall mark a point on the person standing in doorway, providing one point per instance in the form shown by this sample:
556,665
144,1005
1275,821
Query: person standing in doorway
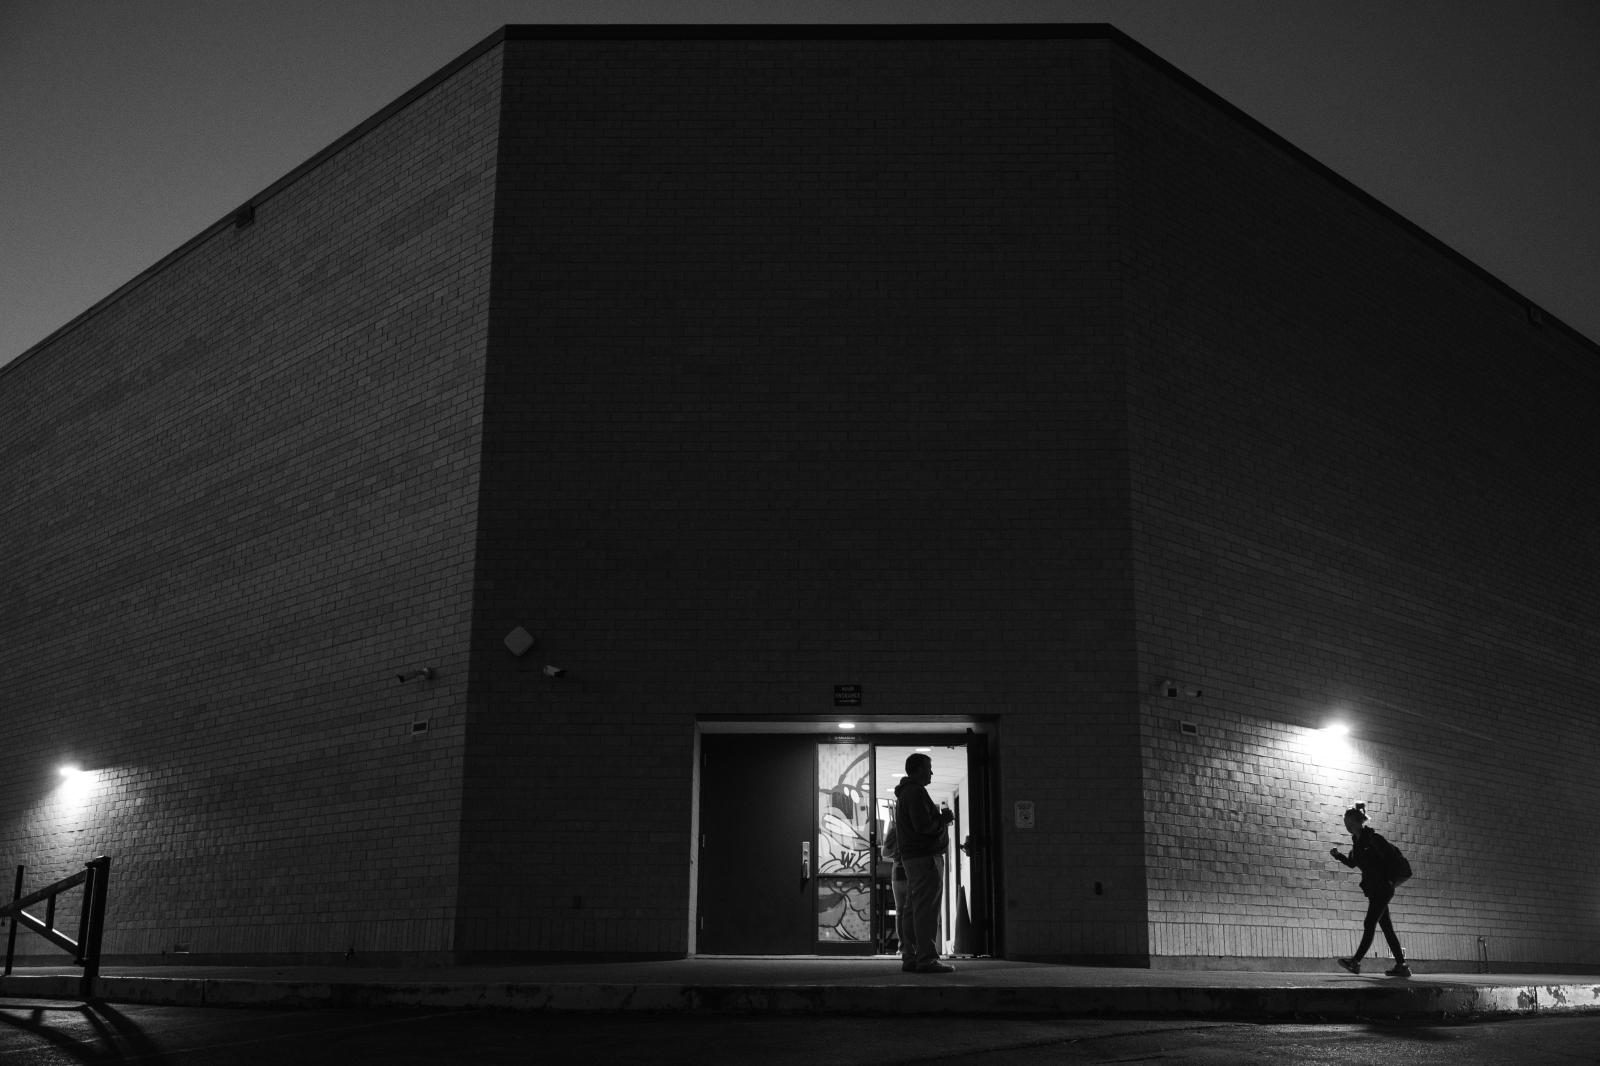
1371,855
897,881
923,835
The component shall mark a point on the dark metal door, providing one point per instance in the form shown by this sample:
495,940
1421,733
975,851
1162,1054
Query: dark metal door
756,835
980,846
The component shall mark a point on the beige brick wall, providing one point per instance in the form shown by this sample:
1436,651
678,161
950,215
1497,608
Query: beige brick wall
803,374
238,498
1005,378
1360,481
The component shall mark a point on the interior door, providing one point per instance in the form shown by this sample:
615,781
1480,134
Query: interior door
757,831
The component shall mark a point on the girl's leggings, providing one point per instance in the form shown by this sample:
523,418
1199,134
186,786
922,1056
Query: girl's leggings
1378,916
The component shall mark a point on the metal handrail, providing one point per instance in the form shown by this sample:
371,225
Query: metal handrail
95,877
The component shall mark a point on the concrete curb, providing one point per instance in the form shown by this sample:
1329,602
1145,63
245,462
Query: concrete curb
1390,1000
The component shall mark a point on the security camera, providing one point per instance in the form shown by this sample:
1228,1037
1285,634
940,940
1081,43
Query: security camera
554,671
423,673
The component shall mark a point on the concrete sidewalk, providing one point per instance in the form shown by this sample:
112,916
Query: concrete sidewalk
840,986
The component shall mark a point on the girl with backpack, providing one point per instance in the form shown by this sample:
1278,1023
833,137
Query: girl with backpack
1376,858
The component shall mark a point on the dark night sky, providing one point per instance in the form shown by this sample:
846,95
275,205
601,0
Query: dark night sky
128,126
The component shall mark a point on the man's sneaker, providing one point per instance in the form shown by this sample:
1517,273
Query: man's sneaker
1400,970
1353,965
936,967
908,965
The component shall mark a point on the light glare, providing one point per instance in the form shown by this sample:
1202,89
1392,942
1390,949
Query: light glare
1330,748
77,784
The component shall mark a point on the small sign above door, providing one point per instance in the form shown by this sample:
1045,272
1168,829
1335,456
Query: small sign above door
847,695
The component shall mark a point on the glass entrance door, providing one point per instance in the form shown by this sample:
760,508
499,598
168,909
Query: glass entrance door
790,831
855,806
846,846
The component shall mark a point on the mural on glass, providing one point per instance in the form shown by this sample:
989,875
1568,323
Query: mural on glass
844,909
844,842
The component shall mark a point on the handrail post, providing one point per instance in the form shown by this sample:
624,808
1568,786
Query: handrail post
95,891
96,880
83,914
11,937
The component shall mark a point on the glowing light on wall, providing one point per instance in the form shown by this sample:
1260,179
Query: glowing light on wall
76,783
1329,747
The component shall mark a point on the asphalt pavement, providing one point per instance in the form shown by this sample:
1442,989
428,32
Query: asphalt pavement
832,986
54,1033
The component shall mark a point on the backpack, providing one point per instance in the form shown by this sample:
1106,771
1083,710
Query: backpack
1396,868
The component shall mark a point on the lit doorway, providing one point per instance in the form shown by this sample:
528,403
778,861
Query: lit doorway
951,789
788,852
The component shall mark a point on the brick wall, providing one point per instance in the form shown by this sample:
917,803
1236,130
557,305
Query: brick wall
803,372
1001,377
1360,491
236,499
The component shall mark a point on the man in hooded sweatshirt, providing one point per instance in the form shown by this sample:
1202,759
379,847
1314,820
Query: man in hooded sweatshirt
923,835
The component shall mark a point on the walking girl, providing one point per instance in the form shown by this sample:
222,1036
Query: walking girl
1372,854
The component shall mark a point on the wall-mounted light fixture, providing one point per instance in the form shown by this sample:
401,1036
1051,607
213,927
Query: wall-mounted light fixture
421,673
77,782
1329,747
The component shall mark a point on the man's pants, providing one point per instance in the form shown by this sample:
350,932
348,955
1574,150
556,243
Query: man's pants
924,888
902,915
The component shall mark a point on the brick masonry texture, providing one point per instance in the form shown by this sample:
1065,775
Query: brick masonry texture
237,501
1363,490
1009,376
802,372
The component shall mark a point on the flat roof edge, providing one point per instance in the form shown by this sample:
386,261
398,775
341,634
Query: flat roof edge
222,224
952,31
803,31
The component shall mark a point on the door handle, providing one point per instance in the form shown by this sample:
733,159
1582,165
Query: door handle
805,860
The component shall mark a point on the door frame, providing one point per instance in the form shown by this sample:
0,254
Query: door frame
972,732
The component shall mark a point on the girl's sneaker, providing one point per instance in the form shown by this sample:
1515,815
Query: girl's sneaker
1400,970
1353,965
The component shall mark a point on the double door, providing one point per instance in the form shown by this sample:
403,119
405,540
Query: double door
791,827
